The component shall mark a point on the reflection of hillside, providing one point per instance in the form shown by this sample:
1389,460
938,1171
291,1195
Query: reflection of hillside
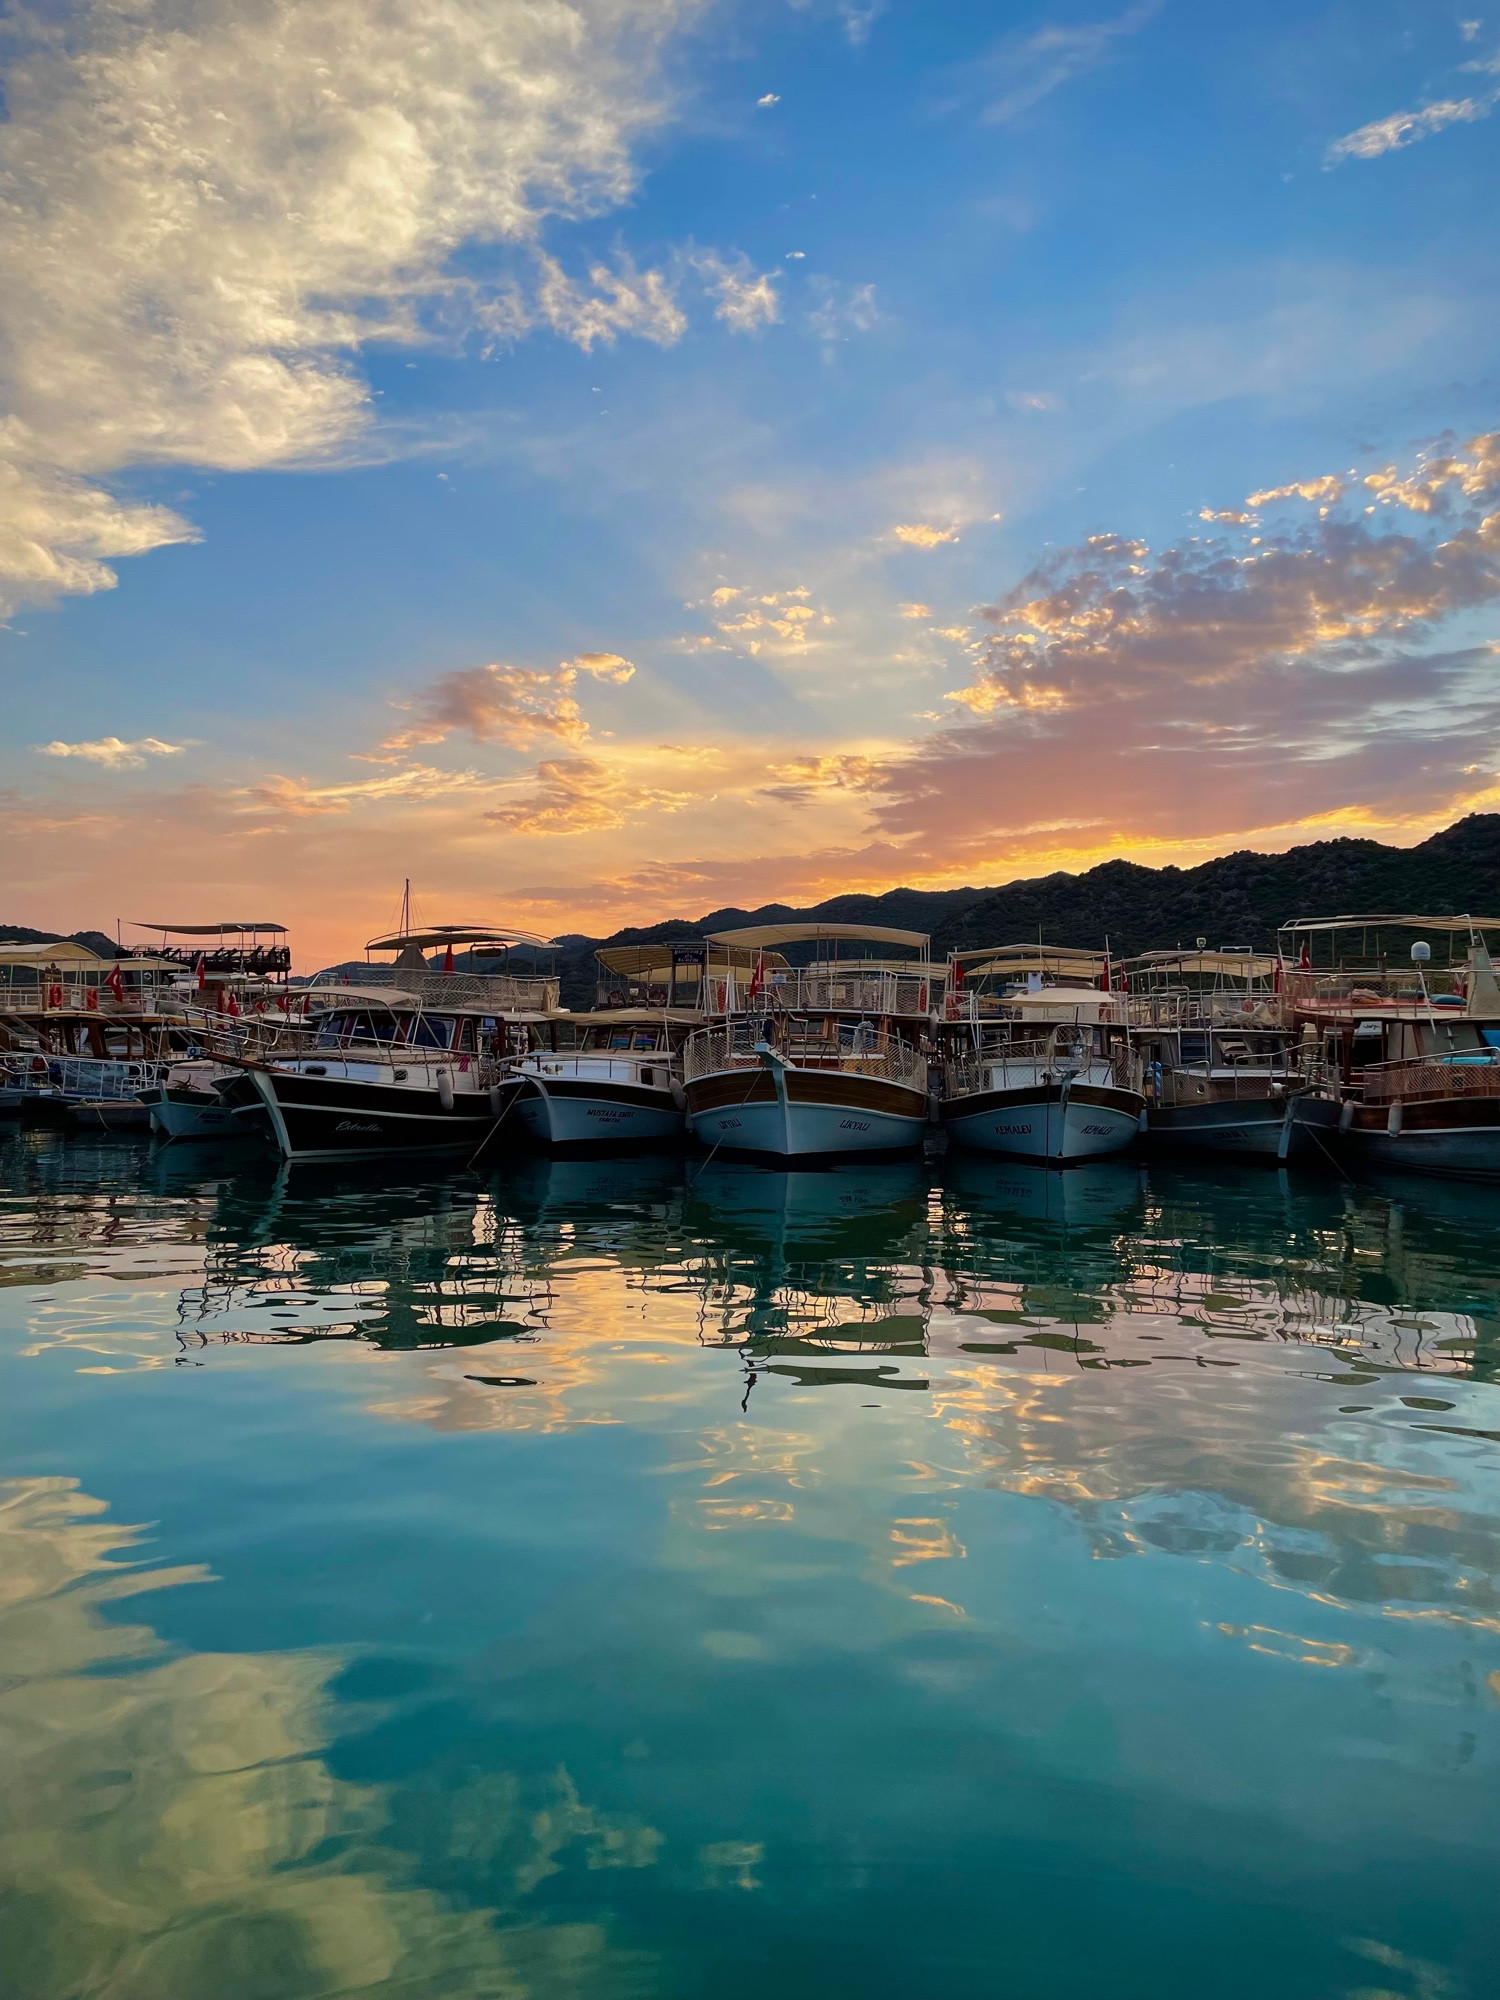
171,1826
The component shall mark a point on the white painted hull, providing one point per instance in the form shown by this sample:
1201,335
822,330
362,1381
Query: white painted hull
1051,1129
597,1120
801,1131
195,1115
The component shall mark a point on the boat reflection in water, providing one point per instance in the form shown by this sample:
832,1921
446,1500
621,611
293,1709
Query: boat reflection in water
652,1576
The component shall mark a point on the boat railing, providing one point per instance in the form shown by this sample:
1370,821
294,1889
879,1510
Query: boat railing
825,989
735,1045
595,1065
105,1078
1433,1076
1397,988
27,989
1017,1064
496,993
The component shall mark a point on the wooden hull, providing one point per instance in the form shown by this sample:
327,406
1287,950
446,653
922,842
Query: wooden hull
1266,1128
574,1112
804,1113
1054,1122
335,1118
1449,1135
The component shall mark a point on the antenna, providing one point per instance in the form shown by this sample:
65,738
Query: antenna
405,925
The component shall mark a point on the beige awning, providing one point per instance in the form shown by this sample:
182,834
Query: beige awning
1397,923
61,954
1237,964
437,936
757,936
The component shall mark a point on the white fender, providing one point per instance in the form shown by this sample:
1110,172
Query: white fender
1393,1120
445,1089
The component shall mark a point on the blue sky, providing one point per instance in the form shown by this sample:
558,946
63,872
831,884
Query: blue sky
609,461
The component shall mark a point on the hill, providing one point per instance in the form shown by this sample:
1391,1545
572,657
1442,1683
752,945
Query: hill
1235,899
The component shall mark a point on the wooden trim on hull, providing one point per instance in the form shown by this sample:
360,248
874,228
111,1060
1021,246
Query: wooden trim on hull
1456,1137
826,1114
835,1088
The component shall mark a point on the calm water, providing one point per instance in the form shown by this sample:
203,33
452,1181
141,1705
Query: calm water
644,1578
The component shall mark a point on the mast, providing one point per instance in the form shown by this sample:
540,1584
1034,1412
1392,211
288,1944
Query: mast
406,909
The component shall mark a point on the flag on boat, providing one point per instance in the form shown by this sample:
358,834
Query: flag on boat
115,982
202,970
448,959
1304,963
758,977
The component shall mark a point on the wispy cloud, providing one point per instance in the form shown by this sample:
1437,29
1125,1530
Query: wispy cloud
1404,128
841,310
1023,69
112,752
747,299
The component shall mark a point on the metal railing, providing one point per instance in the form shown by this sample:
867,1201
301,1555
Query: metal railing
1018,1064
24,991
823,989
595,1067
1430,1076
101,1078
734,1046
497,993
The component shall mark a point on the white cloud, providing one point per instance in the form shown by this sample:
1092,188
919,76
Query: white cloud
623,300
747,299
765,103
112,752
1404,128
210,208
922,535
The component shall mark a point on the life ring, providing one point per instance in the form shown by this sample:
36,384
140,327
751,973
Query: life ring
91,999
54,996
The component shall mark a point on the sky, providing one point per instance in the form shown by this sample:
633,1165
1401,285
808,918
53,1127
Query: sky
609,461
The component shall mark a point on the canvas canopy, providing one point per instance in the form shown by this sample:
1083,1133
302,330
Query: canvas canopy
758,936
437,936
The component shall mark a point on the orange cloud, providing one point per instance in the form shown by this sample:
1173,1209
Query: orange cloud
506,704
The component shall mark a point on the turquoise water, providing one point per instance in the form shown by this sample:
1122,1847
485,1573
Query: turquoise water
650,1578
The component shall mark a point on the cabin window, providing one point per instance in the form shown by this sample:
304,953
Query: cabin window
428,1033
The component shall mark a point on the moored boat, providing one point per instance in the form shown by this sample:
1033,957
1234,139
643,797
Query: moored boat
621,1086
1223,1072
412,1061
818,1061
1413,1048
1038,1071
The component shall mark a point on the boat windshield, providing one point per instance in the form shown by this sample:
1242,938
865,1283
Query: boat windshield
348,1026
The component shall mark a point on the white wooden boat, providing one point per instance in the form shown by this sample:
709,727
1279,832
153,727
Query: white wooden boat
813,1062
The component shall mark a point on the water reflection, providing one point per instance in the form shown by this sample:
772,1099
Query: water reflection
172,1824
557,1562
